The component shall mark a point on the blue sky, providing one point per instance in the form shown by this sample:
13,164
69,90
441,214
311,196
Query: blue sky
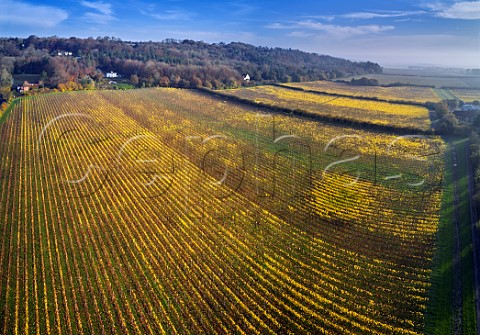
392,33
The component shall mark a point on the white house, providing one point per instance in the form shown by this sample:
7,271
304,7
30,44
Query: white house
247,77
64,53
111,74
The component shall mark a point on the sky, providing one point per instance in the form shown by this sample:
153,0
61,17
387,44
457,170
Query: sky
393,33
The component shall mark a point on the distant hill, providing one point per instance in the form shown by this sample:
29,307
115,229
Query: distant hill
172,62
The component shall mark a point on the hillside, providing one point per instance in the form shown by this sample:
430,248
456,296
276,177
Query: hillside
171,62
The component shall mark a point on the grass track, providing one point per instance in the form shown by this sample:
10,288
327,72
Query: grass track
439,317
466,248
444,94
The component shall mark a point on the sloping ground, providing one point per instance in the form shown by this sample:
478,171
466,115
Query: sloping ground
342,108
118,218
402,93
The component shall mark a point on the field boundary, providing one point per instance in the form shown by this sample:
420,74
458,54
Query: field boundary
317,117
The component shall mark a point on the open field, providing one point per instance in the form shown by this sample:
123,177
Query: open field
403,93
167,211
411,78
467,95
343,108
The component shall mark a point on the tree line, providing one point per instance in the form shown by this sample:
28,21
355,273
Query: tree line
175,63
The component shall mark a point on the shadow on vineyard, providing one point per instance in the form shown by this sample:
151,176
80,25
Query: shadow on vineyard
172,209
307,167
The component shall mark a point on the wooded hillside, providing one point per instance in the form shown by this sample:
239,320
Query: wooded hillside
171,62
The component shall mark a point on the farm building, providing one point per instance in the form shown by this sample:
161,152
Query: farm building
25,87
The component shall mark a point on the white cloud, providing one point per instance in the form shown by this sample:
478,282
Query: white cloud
331,29
465,10
380,14
169,15
24,14
344,30
300,34
328,18
102,7
98,18
277,25
105,12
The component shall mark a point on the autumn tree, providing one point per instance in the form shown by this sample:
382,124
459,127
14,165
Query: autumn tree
6,69
441,109
134,79
87,82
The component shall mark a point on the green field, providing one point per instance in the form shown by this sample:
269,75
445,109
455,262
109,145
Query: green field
442,311
445,94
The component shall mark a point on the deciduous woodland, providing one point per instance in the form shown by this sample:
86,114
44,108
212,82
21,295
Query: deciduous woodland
172,63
